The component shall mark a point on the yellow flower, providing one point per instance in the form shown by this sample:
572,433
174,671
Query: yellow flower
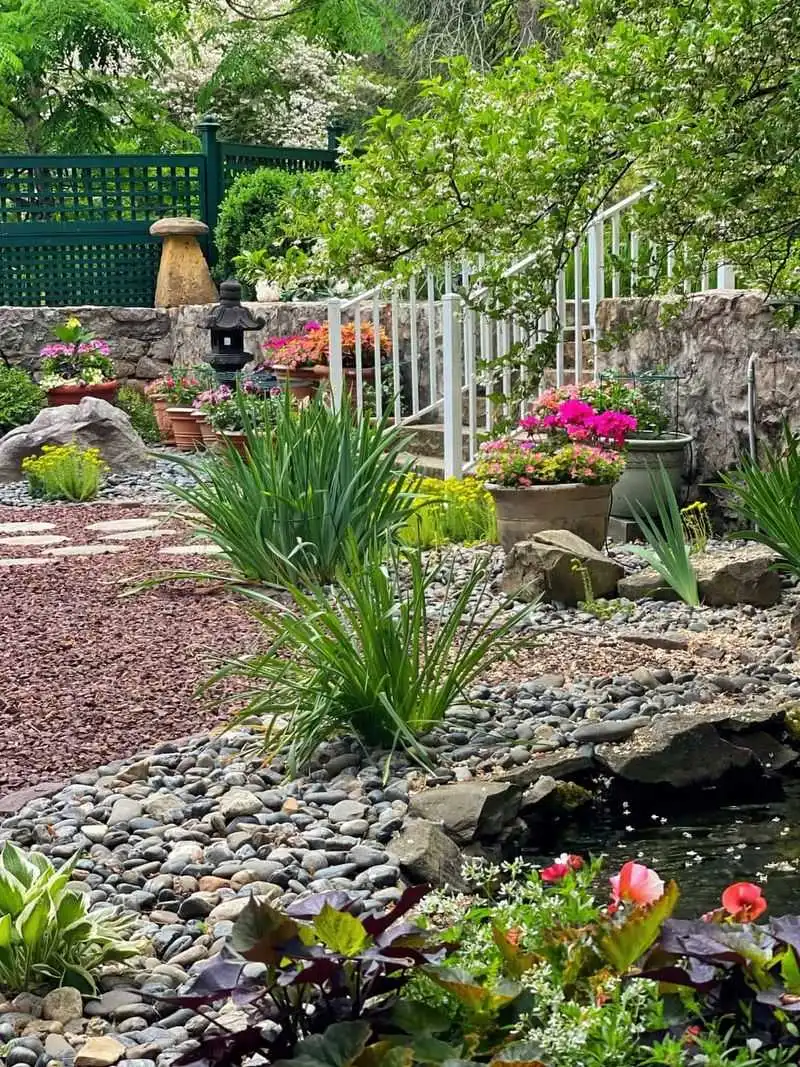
72,323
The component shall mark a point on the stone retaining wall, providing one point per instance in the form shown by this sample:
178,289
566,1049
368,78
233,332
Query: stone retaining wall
708,344
145,342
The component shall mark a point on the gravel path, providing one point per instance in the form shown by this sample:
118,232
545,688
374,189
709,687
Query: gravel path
89,676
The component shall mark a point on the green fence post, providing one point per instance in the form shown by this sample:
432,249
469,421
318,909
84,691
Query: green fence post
208,128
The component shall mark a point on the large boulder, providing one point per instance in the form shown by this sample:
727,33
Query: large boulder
545,566
92,424
741,576
426,854
469,810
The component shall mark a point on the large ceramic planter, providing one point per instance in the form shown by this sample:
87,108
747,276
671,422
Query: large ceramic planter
642,455
581,509
186,427
62,395
163,421
302,382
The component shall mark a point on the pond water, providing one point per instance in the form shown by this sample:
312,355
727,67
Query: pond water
703,846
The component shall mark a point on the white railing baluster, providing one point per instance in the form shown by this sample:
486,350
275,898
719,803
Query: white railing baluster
414,338
616,229
577,315
452,372
705,278
596,285
359,359
726,276
634,262
486,358
431,292
335,370
561,316
502,356
471,380
670,261
376,333
398,401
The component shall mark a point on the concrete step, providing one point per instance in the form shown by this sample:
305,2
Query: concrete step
427,466
427,439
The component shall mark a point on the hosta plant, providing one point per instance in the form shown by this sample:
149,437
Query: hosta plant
48,936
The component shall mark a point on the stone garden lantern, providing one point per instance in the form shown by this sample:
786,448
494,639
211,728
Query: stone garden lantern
227,322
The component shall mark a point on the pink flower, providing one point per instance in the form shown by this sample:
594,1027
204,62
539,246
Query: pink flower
743,902
565,863
636,884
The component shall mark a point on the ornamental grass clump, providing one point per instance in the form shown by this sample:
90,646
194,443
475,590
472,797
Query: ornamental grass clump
313,479
48,936
666,550
65,472
368,656
768,497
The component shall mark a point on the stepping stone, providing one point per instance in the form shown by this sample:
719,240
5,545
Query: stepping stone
25,561
136,535
85,550
25,527
123,525
32,539
190,550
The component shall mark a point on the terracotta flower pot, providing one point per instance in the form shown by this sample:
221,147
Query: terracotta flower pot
186,427
302,382
232,437
581,509
163,421
62,395
206,432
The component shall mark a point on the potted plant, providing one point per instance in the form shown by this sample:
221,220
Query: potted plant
302,359
226,414
651,446
76,365
205,404
179,393
557,472
155,394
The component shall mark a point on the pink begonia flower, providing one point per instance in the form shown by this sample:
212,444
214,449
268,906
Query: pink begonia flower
636,884
744,902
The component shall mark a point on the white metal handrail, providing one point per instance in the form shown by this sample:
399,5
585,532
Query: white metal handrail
437,339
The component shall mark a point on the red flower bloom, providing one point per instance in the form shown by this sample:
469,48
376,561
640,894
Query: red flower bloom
743,902
636,884
565,863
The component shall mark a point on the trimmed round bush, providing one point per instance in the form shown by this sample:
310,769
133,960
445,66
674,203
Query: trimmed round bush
20,398
248,214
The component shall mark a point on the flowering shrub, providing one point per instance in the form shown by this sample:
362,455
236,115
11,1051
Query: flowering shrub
75,358
449,510
520,464
65,472
638,402
567,416
311,347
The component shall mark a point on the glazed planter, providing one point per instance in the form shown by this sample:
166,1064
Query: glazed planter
581,509
163,421
62,395
186,428
642,455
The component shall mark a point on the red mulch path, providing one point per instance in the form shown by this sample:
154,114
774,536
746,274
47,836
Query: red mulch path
87,676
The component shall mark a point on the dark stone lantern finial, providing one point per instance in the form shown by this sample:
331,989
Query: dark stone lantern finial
227,321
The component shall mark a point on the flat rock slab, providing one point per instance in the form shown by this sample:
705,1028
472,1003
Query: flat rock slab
85,550
469,809
33,539
137,535
122,525
190,550
25,527
26,561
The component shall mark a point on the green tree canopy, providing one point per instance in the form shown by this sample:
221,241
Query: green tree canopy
700,98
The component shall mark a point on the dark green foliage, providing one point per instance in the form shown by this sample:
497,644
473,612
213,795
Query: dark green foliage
313,480
20,398
370,658
768,497
140,411
248,214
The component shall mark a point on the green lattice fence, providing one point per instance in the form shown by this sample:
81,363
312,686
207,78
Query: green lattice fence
74,230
